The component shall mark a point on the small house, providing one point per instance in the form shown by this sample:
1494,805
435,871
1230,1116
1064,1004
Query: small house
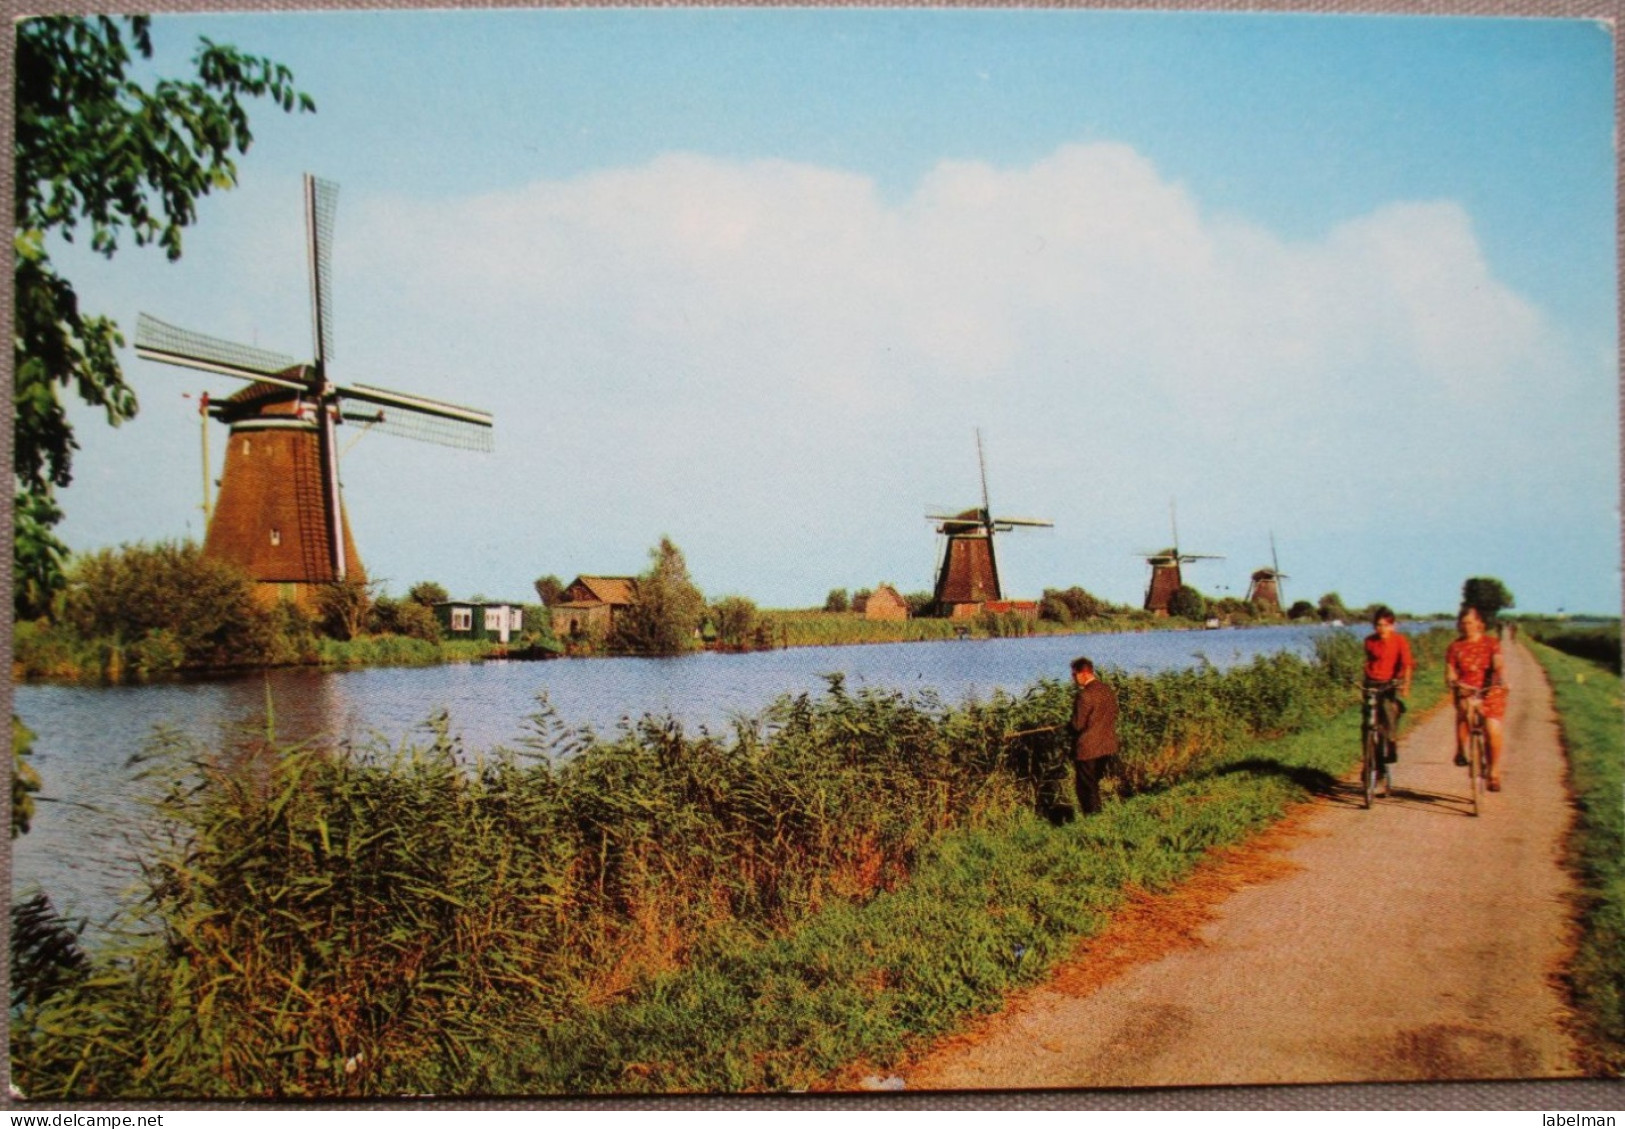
589,606
885,603
465,619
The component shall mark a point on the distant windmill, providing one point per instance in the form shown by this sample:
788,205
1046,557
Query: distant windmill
279,515
968,575
1266,592
1166,577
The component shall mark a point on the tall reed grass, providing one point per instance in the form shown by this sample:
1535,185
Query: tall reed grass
328,921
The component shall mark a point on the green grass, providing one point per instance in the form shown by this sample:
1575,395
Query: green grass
1589,709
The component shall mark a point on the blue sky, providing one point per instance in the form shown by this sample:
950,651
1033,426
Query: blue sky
753,278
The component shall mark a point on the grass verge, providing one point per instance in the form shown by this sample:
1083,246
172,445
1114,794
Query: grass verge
986,911
1588,706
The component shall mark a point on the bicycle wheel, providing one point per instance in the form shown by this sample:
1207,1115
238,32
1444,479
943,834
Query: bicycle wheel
1475,766
1370,764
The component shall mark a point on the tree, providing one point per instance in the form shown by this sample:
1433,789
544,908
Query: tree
668,609
427,593
548,589
1331,607
837,600
860,600
1302,609
345,606
1187,603
735,619
95,148
407,617
1488,595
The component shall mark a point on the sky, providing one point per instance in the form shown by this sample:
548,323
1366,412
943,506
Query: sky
754,280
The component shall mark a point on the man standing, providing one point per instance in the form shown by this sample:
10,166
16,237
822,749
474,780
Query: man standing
1094,732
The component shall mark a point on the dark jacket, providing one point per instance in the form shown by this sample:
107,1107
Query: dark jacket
1094,721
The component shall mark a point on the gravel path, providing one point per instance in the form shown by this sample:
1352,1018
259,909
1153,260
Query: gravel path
1411,941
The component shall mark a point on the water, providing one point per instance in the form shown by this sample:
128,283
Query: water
79,849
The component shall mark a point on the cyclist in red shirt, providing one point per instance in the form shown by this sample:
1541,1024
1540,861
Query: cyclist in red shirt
1473,663
1388,666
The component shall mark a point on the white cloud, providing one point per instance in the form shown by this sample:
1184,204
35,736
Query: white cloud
782,369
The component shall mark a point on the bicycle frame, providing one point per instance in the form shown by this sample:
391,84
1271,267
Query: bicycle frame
1372,743
1478,767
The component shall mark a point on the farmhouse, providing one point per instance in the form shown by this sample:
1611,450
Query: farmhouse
590,606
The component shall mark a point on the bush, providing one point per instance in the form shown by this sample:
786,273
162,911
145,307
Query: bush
1187,603
1072,604
173,606
406,617
736,622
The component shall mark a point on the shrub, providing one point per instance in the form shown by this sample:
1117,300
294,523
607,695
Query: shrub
205,607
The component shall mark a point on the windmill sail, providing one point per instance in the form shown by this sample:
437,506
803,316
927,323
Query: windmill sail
321,205
169,344
463,431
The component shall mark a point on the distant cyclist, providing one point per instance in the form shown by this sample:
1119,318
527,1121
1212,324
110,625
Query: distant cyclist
1388,666
1473,666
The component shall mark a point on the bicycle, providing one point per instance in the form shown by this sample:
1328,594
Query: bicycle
1478,759
1374,743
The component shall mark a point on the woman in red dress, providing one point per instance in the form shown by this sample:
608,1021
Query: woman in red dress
1473,662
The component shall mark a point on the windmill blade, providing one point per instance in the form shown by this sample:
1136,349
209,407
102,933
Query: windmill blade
321,203
1275,563
981,463
1199,557
1038,522
424,428
171,345
418,417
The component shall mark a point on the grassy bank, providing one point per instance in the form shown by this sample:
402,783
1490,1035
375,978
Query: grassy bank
658,910
1588,705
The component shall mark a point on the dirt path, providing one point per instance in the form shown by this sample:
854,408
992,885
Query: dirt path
1406,942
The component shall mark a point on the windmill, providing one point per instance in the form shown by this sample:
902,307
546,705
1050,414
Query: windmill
1266,592
968,576
280,515
1166,578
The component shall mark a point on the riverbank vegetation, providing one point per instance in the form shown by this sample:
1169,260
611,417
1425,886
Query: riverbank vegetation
652,909
1588,705
152,611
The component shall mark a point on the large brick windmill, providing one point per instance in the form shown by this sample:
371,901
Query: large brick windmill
968,577
280,514
1166,576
